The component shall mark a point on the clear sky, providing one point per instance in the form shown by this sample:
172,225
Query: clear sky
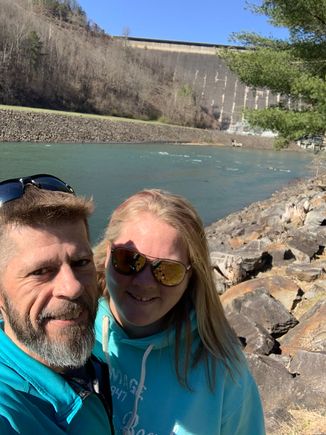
210,21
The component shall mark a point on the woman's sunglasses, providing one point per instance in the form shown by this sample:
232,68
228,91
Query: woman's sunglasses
129,262
14,188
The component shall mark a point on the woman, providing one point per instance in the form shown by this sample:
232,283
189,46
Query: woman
175,364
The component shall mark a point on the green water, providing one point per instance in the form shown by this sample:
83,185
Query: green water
216,180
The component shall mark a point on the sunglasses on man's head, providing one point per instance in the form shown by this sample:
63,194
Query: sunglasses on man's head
129,262
14,188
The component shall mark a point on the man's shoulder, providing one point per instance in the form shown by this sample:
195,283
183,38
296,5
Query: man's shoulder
11,381
13,393
11,407
22,412
7,391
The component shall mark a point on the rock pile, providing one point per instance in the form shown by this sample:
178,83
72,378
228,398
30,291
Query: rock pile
55,127
270,267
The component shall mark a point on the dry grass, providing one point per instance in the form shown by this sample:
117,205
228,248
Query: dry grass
82,115
305,423
56,112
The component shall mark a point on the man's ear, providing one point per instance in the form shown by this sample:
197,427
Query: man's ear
108,255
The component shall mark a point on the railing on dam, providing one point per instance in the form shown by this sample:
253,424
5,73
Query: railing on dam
177,46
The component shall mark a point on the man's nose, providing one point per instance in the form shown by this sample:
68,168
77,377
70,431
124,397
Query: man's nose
67,284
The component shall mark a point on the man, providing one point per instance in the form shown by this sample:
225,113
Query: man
49,381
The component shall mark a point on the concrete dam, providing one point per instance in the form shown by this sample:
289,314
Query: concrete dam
198,66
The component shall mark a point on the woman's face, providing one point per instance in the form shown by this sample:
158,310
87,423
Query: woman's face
138,302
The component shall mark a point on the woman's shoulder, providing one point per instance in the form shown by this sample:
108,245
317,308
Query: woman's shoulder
241,400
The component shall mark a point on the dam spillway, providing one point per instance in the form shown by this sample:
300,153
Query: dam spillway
218,90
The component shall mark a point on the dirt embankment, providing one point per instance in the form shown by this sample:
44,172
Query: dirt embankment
52,127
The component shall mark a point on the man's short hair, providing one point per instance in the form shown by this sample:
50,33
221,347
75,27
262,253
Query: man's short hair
42,207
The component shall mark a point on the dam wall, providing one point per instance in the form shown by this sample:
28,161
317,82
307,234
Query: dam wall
217,90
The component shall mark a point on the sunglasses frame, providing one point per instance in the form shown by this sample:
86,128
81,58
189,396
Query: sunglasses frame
154,263
32,179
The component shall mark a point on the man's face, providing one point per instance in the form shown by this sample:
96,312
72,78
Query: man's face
48,294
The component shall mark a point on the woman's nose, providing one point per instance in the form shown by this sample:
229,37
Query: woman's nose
145,277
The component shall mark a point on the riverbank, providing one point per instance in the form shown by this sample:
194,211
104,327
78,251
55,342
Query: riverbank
269,262
35,125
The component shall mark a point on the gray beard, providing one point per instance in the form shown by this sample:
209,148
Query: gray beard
70,349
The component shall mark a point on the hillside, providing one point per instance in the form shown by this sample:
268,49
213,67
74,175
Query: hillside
51,56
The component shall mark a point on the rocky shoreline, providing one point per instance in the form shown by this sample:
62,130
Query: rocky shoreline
56,127
270,266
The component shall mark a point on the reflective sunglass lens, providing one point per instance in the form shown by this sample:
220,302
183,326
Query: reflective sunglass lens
10,191
139,262
14,188
52,183
126,261
169,273
166,272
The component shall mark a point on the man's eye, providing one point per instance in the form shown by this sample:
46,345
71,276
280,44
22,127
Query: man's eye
41,271
81,263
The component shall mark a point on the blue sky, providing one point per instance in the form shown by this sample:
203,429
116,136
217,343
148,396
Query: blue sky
210,21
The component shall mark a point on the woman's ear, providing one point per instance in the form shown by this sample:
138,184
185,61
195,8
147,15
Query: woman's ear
108,254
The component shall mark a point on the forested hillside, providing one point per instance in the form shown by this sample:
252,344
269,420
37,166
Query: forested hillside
51,56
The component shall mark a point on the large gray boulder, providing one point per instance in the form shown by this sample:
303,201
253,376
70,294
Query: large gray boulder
304,271
316,217
263,309
228,266
281,288
241,264
253,336
274,381
280,389
304,245
311,367
309,334
310,370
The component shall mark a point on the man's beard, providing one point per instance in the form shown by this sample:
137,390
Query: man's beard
69,349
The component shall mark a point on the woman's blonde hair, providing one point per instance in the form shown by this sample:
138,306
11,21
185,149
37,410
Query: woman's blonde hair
217,339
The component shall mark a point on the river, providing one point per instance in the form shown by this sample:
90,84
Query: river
217,180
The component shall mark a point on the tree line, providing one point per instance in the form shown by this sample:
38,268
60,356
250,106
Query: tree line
51,56
294,67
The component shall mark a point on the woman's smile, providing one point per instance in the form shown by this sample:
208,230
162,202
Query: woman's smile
142,299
